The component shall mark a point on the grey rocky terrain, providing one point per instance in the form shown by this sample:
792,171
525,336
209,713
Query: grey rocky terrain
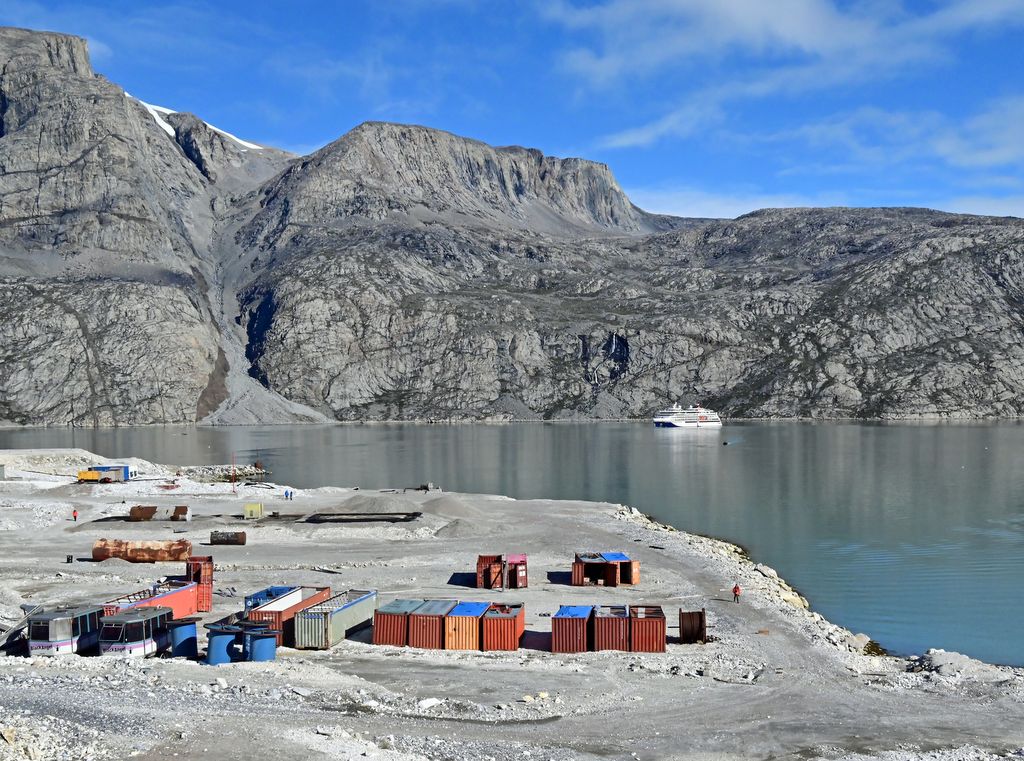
154,269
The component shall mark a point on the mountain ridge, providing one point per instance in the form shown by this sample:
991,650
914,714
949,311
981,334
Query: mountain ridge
403,272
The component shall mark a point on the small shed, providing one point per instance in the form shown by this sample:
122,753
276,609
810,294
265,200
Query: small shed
252,511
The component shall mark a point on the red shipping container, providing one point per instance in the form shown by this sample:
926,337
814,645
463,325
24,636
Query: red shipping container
647,629
517,574
426,624
578,577
572,629
611,574
488,571
611,627
280,612
182,597
629,572
199,568
391,622
504,624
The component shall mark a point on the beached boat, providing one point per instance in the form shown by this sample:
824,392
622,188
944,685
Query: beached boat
690,417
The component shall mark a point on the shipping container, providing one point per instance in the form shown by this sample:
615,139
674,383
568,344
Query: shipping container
426,624
265,595
199,568
588,568
647,629
518,578
611,627
180,597
325,625
488,571
462,626
693,626
571,629
280,612
504,624
611,574
142,552
391,622
65,630
629,573
136,633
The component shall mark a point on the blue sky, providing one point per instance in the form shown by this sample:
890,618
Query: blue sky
701,107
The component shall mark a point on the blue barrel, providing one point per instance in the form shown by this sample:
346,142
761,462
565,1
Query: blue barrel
263,645
184,638
220,642
244,637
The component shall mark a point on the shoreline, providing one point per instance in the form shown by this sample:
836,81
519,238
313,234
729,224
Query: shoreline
798,685
199,425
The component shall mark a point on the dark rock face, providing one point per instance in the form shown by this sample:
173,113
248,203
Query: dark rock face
154,269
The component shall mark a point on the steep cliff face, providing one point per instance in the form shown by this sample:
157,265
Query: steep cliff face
105,224
382,171
156,269
851,313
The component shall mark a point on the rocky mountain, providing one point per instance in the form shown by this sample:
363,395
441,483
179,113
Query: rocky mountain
156,269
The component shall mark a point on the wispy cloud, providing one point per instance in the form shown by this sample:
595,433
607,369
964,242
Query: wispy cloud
783,48
990,139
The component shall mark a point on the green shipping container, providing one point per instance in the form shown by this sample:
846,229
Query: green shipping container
324,625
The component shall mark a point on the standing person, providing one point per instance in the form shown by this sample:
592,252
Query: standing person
736,592
74,515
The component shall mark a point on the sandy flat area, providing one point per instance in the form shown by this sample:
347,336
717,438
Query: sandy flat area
777,681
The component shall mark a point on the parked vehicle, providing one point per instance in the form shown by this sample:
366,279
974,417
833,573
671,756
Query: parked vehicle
71,629
136,633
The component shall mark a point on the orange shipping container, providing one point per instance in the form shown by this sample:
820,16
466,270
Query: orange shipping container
426,624
462,626
391,622
647,629
280,611
504,625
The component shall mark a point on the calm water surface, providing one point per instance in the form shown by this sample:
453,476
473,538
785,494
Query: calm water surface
913,534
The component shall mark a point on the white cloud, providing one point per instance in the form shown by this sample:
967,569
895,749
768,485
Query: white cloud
786,47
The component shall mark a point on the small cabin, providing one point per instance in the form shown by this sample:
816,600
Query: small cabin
70,629
136,633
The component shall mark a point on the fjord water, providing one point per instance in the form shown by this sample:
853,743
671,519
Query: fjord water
913,534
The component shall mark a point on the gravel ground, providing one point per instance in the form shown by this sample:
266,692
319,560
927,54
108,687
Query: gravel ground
777,681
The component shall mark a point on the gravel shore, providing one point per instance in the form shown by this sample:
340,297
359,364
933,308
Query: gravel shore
777,681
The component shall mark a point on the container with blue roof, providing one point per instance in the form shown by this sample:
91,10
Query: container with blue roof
572,629
463,624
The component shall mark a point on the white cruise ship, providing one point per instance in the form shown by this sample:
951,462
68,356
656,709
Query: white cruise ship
690,417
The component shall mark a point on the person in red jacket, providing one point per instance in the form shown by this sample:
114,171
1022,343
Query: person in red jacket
74,515
736,592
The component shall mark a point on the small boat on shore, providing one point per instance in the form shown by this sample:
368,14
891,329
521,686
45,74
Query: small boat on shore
689,417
